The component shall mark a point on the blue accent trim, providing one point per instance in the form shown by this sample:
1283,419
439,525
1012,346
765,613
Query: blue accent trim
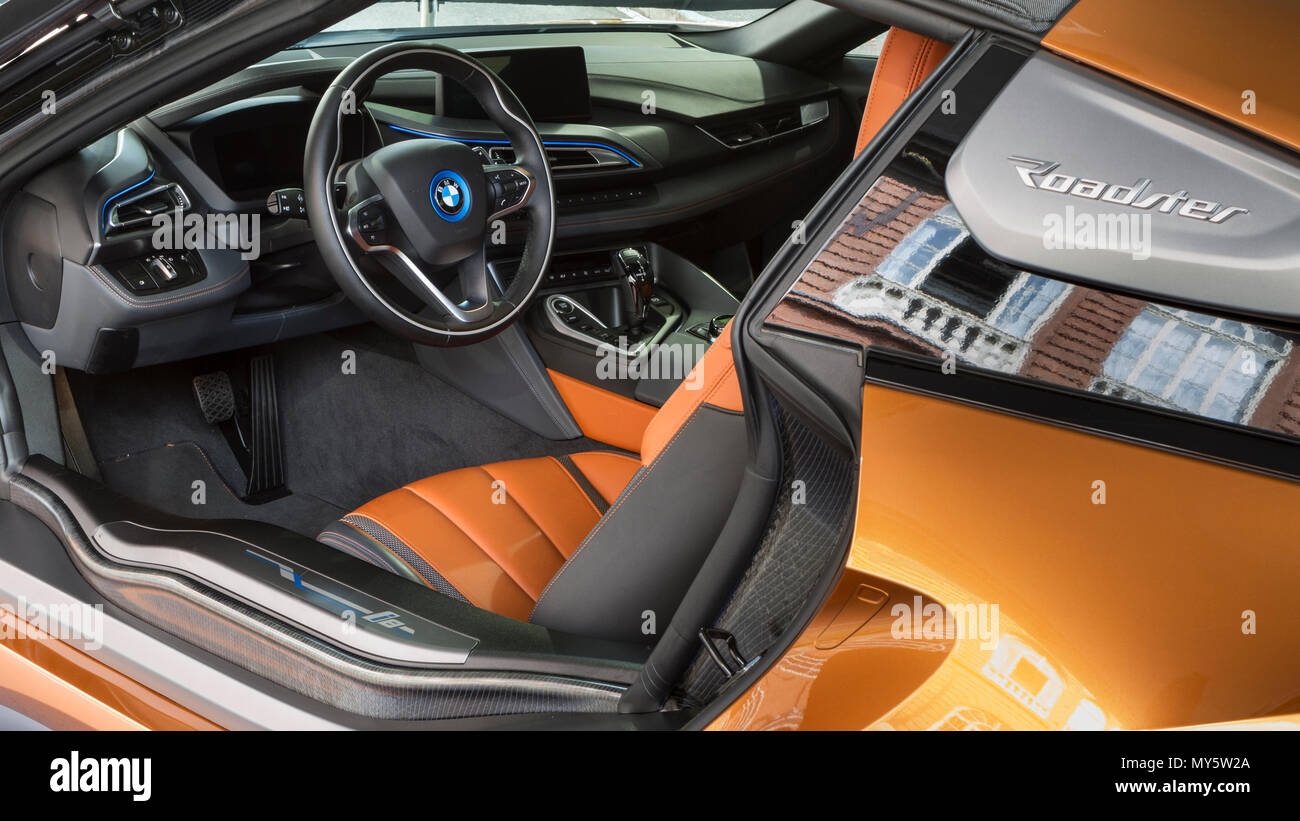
103,209
346,608
464,206
464,141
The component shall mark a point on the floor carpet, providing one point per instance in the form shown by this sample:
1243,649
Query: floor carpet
350,433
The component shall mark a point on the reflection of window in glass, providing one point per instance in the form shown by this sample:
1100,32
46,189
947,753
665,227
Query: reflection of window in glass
941,288
1025,675
924,247
964,281
931,259
1027,301
871,48
1205,365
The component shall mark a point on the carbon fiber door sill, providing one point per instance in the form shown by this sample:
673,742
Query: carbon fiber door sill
325,607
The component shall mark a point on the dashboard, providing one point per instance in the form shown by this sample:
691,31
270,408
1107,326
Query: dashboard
648,136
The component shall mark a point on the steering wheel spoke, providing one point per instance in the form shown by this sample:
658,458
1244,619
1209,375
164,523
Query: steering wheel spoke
368,226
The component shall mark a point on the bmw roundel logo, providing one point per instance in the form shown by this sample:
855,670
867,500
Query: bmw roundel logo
450,195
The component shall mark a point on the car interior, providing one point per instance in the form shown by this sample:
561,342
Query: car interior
453,437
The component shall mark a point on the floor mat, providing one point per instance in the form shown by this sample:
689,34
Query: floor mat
166,478
359,417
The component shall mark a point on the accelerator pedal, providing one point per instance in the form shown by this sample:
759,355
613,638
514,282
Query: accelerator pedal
266,449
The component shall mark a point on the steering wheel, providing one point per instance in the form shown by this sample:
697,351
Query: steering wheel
419,212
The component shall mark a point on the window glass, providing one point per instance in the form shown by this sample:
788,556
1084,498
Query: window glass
452,14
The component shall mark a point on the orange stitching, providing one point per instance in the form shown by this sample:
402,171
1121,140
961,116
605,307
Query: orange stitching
103,277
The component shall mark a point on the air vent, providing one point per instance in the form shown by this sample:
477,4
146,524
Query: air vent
769,125
569,157
137,209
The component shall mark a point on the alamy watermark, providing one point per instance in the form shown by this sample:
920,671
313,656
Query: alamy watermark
1073,230
674,361
178,231
69,622
919,621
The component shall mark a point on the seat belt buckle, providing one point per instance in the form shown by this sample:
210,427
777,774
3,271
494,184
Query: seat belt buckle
721,647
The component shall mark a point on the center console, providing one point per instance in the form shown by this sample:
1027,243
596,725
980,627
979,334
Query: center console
630,320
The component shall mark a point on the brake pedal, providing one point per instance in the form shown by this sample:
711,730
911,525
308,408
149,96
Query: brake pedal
216,397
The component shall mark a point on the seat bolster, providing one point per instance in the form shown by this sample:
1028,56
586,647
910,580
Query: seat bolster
638,562
367,540
711,382
607,472
905,61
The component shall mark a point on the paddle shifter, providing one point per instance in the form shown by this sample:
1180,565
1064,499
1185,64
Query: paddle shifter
635,287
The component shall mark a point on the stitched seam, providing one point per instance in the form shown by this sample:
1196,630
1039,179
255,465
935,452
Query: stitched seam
103,277
341,542
505,570
871,92
609,515
731,367
589,490
529,516
636,462
422,556
704,397
541,400
581,491
918,63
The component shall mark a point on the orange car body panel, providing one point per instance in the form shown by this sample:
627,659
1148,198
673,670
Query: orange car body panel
1202,53
64,688
1108,615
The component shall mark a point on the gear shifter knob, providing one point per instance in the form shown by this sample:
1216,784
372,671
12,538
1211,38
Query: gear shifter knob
636,287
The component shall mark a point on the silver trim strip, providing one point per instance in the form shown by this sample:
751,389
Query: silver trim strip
182,201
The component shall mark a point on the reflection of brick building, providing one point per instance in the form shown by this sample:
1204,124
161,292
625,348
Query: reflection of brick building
902,272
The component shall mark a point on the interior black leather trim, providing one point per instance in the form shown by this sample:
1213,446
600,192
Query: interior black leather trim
674,509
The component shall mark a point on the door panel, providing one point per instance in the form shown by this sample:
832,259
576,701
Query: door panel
1076,500
1129,613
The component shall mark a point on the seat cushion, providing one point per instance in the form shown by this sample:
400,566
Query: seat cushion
492,536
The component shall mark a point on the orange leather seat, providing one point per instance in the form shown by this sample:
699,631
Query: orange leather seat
905,61
497,536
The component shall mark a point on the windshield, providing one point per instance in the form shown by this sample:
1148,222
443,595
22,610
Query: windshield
475,14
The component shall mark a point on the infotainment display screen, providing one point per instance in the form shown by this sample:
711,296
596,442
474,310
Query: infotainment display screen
550,82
